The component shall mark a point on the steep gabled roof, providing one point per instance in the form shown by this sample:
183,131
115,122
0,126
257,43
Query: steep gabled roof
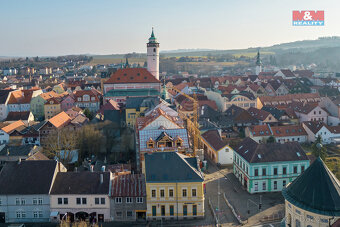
316,190
27,177
214,139
253,152
10,128
128,185
171,167
59,120
4,95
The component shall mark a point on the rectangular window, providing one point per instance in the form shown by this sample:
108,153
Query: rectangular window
119,213
284,183
23,201
78,201
275,171
18,213
23,214
172,210
264,186
128,200
275,185
129,214
264,172
102,200
40,214
284,170
162,193
256,186
17,201
40,201
295,169
154,211
184,193
194,210
302,169
193,192
118,199
139,199
153,193
83,200
35,214
163,210
60,201
256,172
65,200
96,201
185,210
35,201
171,193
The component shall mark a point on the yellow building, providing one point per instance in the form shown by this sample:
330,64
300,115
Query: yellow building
51,108
174,186
136,106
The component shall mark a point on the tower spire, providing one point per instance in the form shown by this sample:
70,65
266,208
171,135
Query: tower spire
258,68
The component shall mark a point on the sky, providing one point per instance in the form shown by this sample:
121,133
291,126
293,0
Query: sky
63,27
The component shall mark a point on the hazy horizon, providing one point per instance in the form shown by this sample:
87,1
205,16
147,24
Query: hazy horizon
41,28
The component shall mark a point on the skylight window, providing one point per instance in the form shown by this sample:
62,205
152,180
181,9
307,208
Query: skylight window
259,156
240,147
246,152
298,154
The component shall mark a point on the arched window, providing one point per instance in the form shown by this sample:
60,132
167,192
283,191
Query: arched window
154,49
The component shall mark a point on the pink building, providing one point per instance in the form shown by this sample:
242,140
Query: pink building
67,103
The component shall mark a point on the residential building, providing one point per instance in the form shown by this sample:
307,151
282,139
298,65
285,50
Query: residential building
173,194
87,99
10,153
38,102
215,149
6,132
52,107
285,74
136,106
25,188
286,99
67,103
262,116
328,134
332,105
128,197
25,116
244,100
309,112
19,100
313,199
268,167
4,97
276,87
81,196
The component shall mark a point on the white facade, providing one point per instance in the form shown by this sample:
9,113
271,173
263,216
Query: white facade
225,155
4,137
317,114
161,121
153,56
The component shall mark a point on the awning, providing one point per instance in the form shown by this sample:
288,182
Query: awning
54,213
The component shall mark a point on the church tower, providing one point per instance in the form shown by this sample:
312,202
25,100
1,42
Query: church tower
153,56
258,63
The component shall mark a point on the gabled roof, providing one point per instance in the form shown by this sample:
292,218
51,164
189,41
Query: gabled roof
22,150
258,114
253,152
287,73
3,96
260,130
171,167
81,183
144,101
37,156
214,139
110,105
10,128
27,177
314,126
277,113
288,130
128,185
16,116
132,75
60,120
316,190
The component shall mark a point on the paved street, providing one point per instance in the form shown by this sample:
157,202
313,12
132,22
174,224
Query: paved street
272,203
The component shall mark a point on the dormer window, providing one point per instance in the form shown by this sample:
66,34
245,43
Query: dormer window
150,143
179,142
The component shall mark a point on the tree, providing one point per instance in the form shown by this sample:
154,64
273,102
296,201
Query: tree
90,141
318,150
271,139
61,144
88,114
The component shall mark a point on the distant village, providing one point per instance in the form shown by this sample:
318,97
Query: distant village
132,144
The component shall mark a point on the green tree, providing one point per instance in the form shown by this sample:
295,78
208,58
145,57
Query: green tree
271,139
88,114
318,150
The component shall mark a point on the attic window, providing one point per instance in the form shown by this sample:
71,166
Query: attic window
131,78
145,77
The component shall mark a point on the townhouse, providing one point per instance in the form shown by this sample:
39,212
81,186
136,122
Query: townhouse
268,167
173,194
309,112
275,101
87,99
328,134
128,197
24,190
136,106
81,196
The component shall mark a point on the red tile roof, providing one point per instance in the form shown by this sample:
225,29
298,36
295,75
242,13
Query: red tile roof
10,128
288,130
258,114
132,75
60,120
214,139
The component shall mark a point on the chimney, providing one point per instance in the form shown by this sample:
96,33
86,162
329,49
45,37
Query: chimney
91,168
101,178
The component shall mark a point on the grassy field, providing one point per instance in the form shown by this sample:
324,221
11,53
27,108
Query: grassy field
333,163
252,54
213,63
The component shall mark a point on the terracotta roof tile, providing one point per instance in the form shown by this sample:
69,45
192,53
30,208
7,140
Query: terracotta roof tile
9,128
132,75
60,120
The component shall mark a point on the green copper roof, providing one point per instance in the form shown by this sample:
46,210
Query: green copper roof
316,190
132,92
152,38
